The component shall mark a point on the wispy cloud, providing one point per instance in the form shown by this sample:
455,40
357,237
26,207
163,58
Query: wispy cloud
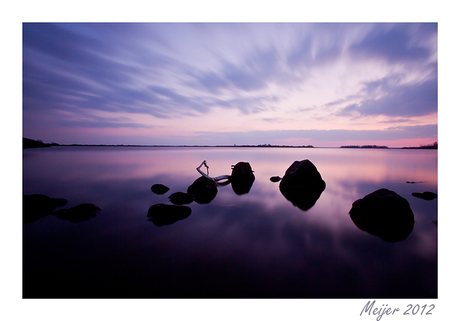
315,74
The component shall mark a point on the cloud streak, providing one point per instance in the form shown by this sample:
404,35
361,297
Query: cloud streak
186,76
331,135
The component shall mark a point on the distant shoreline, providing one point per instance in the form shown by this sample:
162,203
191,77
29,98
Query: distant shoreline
29,143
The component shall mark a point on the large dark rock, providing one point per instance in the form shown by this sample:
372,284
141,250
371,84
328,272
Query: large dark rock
180,198
203,189
159,189
242,178
302,184
385,214
79,213
166,214
428,196
36,206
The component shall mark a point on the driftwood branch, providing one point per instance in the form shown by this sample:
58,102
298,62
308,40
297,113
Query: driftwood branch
207,169
216,179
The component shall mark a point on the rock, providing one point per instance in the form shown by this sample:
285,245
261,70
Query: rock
426,195
159,189
275,179
180,198
166,214
242,178
203,189
79,213
36,206
302,184
385,214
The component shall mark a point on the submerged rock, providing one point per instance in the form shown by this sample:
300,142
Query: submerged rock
203,189
428,196
302,184
36,206
166,214
159,189
79,213
385,214
242,178
180,198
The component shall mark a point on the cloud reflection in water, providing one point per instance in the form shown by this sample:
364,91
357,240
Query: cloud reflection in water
252,245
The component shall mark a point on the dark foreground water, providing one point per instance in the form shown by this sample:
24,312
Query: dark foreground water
253,245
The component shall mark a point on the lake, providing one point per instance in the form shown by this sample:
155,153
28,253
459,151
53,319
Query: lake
254,245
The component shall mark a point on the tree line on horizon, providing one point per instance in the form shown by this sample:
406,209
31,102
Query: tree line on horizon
30,143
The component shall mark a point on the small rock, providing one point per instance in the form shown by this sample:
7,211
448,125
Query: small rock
159,189
79,213
180,198
275,179
203,189
428,196
166,214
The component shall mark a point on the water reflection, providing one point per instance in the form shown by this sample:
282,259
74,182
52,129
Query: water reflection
251,245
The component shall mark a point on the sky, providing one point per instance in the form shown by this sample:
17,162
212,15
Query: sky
320,84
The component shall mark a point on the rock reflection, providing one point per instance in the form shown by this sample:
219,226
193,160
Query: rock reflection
166,214
302,184
385,214
37,206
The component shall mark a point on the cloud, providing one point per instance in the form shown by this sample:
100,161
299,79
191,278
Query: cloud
333,135
399,120
64,70
252,73
311,51
178,71
395,43
405,100
103,123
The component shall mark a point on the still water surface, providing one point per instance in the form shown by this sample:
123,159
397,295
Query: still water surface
252,245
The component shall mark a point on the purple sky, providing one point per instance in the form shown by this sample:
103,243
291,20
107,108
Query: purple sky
204,83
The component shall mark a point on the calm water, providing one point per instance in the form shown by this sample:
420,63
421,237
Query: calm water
252,245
